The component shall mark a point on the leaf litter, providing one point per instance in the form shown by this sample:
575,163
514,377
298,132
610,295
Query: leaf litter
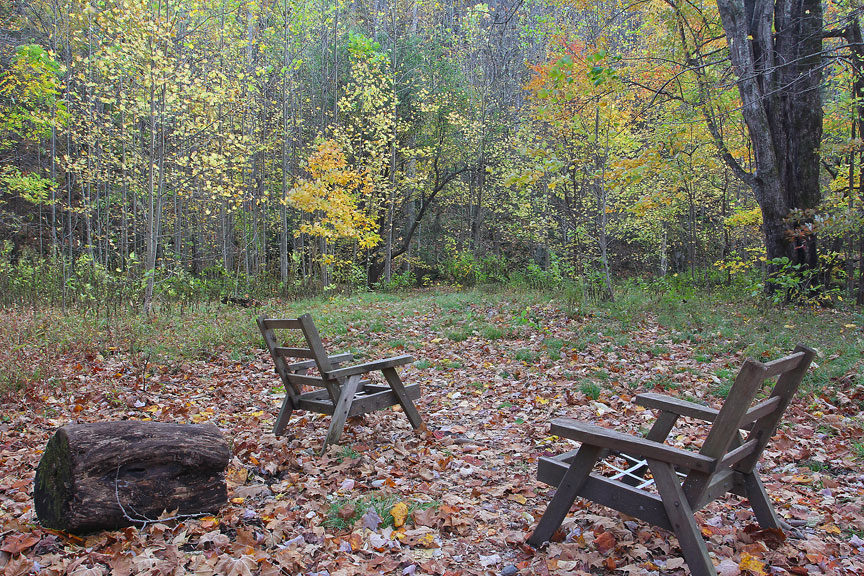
459,497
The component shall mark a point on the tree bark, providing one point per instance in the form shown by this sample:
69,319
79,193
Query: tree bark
111,474
775,48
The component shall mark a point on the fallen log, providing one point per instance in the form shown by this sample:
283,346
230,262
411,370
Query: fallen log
107,475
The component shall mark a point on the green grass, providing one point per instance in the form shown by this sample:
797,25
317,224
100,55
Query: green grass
722,390
553,347
347,453
525,355
492,332
714,326
381,503
459,335
591,390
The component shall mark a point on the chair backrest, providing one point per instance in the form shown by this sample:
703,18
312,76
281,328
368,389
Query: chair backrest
724,442
314,355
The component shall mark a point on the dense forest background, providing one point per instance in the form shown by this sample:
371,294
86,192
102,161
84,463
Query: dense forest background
166,151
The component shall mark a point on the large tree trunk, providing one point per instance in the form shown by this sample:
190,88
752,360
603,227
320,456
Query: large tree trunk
775,48
112,474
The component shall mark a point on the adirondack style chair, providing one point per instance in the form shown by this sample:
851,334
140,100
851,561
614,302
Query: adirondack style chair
337,390
681,481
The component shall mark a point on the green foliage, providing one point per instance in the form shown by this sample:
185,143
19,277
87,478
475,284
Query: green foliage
536,278
802,284
398,281
525,355
31,187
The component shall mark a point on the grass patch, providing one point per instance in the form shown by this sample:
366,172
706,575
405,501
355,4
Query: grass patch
553,347
722,390
347,453
591,390
525,355
717,326
492,333
459,335
343,513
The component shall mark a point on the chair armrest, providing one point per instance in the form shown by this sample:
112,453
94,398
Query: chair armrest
370,366
676,406
306,364
631,445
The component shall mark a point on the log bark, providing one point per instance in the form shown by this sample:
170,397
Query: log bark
108,475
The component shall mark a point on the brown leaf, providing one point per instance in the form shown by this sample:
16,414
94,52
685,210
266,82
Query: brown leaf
18,566
428,517
242,566
347,511
605,542
17,543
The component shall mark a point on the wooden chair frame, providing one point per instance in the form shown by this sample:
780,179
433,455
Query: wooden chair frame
338,390
685,481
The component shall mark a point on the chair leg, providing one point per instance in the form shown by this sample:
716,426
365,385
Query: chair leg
681,517
760,502
395,382
573,481
340,410
284,416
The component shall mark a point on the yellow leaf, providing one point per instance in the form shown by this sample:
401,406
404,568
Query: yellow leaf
399,513
751,564
236,476
831,529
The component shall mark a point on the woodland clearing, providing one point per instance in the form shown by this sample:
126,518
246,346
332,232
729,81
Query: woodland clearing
460,497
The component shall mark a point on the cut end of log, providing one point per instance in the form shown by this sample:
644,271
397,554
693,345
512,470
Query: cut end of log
53,477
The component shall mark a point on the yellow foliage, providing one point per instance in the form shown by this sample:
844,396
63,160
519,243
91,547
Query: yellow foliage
331,195
752,217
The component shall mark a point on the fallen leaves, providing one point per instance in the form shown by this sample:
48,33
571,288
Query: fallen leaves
461,495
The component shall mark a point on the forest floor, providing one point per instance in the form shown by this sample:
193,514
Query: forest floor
495,368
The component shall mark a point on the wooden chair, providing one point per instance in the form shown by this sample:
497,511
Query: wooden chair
684,480
338,390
